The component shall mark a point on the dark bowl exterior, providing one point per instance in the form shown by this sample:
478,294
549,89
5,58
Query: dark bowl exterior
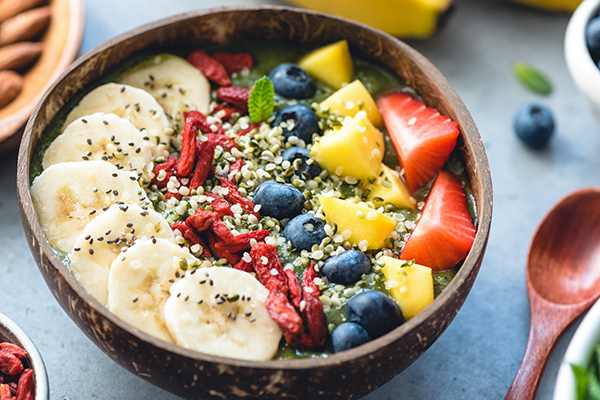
194,375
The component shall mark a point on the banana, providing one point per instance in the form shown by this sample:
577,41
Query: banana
221,311
405,18
133,104
106,236
102,137
67,196
139,283
176,84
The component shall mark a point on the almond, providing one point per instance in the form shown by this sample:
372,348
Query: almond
10,8
11,84
24,26
19,55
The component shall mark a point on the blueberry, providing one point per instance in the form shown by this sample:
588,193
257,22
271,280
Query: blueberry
592,38
294,153
278,200
302,238
375,312
305,120
347,336
534,124
346,268
292,82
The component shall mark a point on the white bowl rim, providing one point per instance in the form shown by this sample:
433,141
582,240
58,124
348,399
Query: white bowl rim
41,378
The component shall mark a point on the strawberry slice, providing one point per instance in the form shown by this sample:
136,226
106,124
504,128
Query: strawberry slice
422,137
445,233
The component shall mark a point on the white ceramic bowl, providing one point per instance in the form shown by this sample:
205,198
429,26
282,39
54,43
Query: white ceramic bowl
11,331
584,71
579,352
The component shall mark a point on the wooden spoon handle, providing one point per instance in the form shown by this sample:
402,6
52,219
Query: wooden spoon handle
539,346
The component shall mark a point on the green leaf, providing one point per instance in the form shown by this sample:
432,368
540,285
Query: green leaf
532,78
580,381
261,101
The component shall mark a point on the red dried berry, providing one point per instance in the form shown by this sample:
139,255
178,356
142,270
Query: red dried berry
210,67
234,62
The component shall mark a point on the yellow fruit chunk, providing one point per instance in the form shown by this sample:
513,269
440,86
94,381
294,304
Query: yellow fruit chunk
331,64
358,223
351,99
407,18
552,5
411,286
354,150
389,188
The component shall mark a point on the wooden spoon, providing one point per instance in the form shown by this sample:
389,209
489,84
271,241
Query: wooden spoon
563,281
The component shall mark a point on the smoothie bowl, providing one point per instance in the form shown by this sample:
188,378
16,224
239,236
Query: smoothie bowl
225,223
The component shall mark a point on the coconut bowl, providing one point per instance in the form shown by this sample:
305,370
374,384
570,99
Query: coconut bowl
194,375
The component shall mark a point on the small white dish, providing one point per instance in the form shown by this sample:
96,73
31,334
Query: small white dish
11,332
579,352
581,66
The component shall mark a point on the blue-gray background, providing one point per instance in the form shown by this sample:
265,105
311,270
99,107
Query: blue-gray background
478,355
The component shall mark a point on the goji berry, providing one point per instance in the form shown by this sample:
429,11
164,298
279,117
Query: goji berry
268,268
191,237
210,67
221,249
188,147
169,168
217,139
244,265
25,386
284,314
234,196
205,153
253,126
10,364
5,393
201,220
294,287
227,112
234,62
235,96
313,308
242,241
221,230
220,205
13,349
202,124
234,168
170,195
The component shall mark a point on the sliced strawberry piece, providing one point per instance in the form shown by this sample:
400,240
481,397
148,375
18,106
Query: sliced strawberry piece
422,137
445,233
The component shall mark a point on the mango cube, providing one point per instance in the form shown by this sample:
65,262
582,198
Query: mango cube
356,149
351,99
411,286
389,188
331,64
357,223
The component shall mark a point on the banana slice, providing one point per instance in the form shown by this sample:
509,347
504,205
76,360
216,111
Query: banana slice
221,311
104,137
135,105
176,84
139,283
105,237
67,196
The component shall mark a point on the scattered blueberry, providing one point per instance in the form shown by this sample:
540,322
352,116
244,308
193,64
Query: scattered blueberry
375,312
294,153
292,82
305,120
278,200
347,336
302,238
534,124
346,268
592,38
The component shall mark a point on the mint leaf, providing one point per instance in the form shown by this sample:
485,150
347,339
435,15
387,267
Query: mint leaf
261,101
533,79
580,381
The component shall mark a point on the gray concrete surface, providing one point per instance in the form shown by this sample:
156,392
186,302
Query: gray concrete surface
477,357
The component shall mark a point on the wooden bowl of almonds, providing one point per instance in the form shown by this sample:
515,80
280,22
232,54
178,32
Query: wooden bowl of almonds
200,259
38,40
